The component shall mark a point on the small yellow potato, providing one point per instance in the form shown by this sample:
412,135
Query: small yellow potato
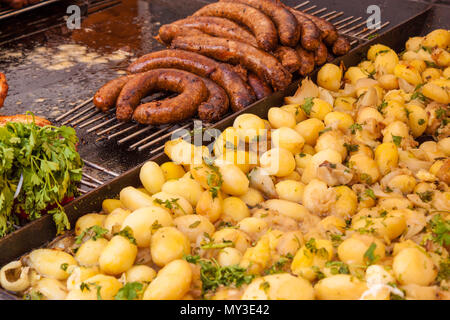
420,65
403,183
210,206
386,157
240,240
395,111
133,199
435,92
408,73
366,168
288,208
320,108
205,175
229,138
288,139
414,43
397,129
417,292
341,119
48,262
375,50
235,182
430,74
367,67
329,77
344,104
278,162
168,244
290,190
98,287
89,252
253,226
385,62
144,221
118,255
353,74
152,177
171,283
411,55
87,221
366,113
14,277
320,157
332,140
109,205
51,289
296,111
340,287
347,202
446,73
182,152
441,57
314,254
396,95
229,257
252,197
437,38
388,227
388,82
80,274
171,170
279,118
194,225
256,258
444,146
176,204
249,126
431,150
140,273
302,160
412,266
114,220
309,130
417,119
189,189
234,210
241,158
279,287
377,274
353,250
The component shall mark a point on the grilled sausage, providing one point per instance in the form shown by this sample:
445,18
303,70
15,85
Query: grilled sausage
341,46
24,118
306,61
328,30
288,58
260,25
192,91
261,63
330,57
216,105
321,54
169,32
310,34
3,89
105,98
219,27
286,23
260,88
238,92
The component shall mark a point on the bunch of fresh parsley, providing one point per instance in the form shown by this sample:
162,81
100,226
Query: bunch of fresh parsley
50,165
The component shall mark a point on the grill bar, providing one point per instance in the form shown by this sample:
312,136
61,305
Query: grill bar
139,137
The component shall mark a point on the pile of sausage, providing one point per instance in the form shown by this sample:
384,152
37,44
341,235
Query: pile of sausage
3,89
228,53
19,4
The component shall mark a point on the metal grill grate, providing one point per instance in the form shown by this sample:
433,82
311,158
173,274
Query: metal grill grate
140,137
89,182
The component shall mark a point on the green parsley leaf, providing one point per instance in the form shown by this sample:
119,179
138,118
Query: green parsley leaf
441,230
308,105
127,232
370,256
397,140
354,127
130,291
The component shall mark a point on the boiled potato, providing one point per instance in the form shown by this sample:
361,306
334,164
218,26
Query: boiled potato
171,170
288,139
87,221
278,161
168,244
413,266
152,177
50,262
134,199
234,210
118,256
340,287
309,130
329,77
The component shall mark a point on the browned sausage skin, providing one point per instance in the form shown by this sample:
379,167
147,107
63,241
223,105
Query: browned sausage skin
192,92
329,32
341,46
287,24
24,118
321,54
306,61
260,25
216,105
310,34
3,89
169,32
224,75
219,27
261,63
260,88
105,98
288,58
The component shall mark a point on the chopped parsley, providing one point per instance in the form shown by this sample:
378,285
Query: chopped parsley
278,266
64,266
324,130
337,267
127,232
370,256
354,127
421,122
195,224
95,232
370,193
351,147
425,196
33,295
155,226
440,229
308,105
130,291
397,140
383,105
